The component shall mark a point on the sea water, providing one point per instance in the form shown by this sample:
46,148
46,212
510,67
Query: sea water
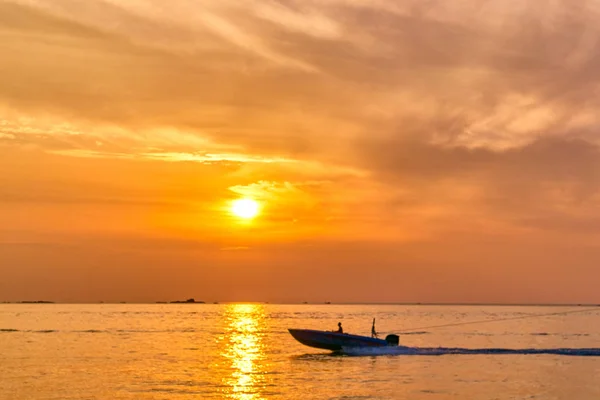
244,351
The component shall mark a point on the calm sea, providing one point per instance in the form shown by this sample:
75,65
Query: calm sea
243,351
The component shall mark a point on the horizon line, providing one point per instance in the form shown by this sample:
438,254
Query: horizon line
48,302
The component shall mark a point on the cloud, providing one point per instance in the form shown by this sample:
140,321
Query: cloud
551,179
240,38
309,20
235,248
265,189
204,158
7,136
239,73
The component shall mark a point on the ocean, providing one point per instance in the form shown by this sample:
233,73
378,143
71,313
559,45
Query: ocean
244,351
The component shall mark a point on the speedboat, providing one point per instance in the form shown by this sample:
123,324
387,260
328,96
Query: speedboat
335,341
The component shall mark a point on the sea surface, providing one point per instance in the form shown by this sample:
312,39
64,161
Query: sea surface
243,351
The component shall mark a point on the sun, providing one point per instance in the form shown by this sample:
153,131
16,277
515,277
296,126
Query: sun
245,208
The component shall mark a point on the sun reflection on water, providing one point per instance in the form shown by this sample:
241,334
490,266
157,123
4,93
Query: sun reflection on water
244,350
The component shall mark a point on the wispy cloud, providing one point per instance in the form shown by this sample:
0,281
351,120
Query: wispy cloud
245,41
204,158
212,158
7,136
235,248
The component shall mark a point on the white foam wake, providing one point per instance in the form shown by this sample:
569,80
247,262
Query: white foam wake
439,351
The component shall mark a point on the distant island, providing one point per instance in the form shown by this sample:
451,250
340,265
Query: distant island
188,301
37,302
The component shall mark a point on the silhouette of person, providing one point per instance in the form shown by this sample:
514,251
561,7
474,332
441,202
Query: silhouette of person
340,330
373,332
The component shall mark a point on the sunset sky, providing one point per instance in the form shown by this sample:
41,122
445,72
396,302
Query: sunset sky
399,151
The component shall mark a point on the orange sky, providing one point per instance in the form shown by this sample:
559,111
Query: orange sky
400,150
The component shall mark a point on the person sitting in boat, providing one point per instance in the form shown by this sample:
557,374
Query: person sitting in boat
340,330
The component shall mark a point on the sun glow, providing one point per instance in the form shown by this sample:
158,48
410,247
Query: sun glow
245,208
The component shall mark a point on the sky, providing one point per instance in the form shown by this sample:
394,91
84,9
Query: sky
399,151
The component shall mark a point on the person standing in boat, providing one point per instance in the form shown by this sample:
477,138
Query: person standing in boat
373,331
340,330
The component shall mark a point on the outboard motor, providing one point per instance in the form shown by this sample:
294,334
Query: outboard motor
392,340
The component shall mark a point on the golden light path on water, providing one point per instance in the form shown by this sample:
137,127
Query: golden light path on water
244,350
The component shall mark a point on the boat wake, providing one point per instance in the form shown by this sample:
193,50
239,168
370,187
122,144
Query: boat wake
440,351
